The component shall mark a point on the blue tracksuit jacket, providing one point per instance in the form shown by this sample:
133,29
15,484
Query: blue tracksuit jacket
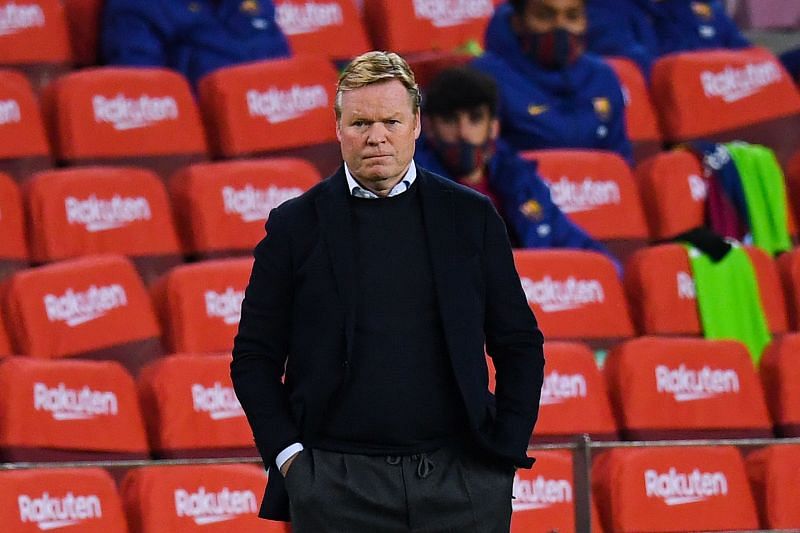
193,37
579,107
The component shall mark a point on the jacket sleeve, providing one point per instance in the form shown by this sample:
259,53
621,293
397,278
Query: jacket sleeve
514,342
134,33
730,36
607,35
261,345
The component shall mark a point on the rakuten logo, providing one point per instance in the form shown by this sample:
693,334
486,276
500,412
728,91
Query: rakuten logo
540,493
131,113
102,214
55,513
296,18
686,288
586,195
74,404
213,507
690,385
226,305
734,84
15,18
697,187
554,296
279,106
10,112
76,308
219,402
680,488
558,388
445,13
253,204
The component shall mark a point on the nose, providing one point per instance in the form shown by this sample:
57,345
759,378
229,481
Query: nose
376,134
464,124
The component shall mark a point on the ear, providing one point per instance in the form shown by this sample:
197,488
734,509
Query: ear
338,129
494,129
417,125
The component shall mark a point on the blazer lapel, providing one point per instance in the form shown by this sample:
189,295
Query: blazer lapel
336,225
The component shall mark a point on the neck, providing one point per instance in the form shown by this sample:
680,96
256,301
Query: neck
474,177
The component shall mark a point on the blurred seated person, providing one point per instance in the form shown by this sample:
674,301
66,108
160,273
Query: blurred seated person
791,62
644,30
460,141
193,37
552,93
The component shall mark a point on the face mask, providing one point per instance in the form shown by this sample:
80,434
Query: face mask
460,158
554,49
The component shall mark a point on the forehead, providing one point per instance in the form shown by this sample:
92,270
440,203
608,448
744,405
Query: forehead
384,98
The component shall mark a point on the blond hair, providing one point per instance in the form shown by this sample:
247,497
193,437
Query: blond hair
376,67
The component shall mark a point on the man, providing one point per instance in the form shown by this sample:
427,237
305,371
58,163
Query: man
194,37
552,93
644,30
461,142
376,291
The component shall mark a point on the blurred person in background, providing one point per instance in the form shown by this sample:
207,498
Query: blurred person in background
193,37
552,93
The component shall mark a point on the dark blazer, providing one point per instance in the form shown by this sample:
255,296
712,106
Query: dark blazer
299,314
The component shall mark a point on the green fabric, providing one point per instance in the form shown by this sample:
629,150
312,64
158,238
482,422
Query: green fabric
728,299
765,193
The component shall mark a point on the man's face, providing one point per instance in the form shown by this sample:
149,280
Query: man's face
541,16
475,126
377,130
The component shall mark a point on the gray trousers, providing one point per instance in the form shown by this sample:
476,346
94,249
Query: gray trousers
442,491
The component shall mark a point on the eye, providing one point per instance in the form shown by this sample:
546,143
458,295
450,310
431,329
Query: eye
358,123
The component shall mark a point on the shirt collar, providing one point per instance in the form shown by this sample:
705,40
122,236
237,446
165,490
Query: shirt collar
402,186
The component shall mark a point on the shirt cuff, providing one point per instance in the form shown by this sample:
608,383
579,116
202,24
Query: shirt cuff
287,453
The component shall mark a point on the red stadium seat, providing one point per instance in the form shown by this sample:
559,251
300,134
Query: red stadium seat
5,343
83,17
221,207
125,116
575,295
544,496
277,107
641,120
81,499
667,388
23,144
780,375
34,39
408,26
426,65
95,307
13,244
725,95
333,28
200,304
597,190
574,398
166,499
789,268
661,291
774,474
792,174
673,489
98,210
191,409
49,407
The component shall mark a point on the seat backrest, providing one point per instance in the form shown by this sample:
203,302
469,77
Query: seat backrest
664,388
190,407
54,404
200,304
222,207
94,306
83,17
23,142
574,398
416,26
673,489
641,120
270,107
51,498
128,115
661,291
13,245
597,191
544,496
164,499
780,374
91,210
575,295
774,473
5,343
789,269
333,27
